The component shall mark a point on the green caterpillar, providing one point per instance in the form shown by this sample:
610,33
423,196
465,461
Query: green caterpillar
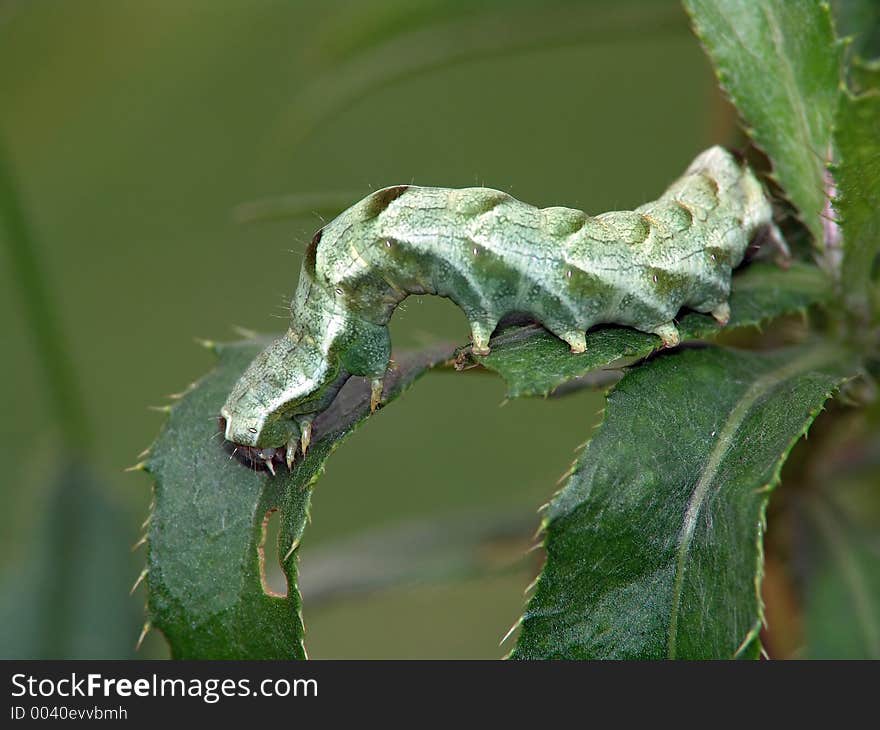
491,255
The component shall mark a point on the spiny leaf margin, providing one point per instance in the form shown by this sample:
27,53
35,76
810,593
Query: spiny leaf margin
205,592
632,570
780,63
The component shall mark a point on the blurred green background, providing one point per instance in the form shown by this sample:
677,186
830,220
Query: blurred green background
137,130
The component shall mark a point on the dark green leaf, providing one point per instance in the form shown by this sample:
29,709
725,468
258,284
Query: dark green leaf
654,544
857,138
780,63
534,362
206,592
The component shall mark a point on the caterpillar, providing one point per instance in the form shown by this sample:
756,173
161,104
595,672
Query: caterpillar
491,255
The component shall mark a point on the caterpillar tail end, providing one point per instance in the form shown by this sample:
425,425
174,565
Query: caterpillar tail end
668,332
376,387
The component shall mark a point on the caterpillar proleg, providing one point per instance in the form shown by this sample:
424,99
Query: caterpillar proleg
491,255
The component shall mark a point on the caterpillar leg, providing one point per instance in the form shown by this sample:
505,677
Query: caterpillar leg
721,313
305,427
567,331
376,387
481,331
668,332
290,452
577,341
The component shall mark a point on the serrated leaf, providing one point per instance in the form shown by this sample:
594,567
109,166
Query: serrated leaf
205,588
654,544
779,62
857,139
534,362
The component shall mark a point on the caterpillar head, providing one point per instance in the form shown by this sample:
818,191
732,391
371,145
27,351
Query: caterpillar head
269,411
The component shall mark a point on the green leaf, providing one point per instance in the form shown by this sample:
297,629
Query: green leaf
207,526
534,362
779,62
654,544
857,139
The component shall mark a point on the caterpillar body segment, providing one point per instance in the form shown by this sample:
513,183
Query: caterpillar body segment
492,255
